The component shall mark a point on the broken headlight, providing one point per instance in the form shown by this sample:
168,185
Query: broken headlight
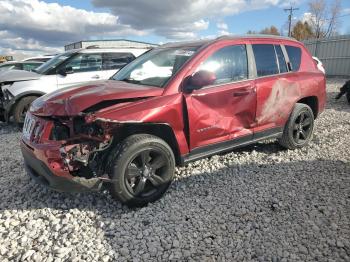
59,132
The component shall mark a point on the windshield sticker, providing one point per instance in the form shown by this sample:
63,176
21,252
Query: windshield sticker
184,52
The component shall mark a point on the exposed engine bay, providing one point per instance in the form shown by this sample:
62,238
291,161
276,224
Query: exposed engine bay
86,143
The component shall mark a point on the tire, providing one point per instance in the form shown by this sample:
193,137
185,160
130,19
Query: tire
21,109
348,96
298,131
142,170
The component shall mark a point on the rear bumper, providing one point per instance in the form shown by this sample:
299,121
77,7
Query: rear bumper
44,175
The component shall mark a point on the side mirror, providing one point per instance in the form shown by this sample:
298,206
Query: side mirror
200,79
65,71
69,70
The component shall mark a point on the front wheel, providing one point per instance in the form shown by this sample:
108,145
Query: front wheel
21,108
298,131
143,168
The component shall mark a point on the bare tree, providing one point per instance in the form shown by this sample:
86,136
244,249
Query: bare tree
333,21
324,19
302,31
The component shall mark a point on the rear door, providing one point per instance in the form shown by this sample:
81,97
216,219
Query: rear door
274,89
113,62
83,67
226,109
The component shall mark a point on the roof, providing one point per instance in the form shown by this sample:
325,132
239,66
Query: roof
225,37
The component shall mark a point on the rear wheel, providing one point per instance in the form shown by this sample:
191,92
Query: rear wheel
348,96
143,169
298,131
21,108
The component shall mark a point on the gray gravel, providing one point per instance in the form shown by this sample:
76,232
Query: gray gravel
260,203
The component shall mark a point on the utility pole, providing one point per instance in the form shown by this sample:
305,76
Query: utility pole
291,9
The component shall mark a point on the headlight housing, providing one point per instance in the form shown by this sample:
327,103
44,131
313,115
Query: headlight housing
7,96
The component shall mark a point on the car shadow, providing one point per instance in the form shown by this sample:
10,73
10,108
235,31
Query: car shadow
269,203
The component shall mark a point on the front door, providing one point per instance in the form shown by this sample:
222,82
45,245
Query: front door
225,110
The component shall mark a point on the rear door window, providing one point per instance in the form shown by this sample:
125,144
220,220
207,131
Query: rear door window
265,59
113,61
294,54
85,62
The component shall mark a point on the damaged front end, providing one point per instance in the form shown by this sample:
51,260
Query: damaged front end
86,144
73,149
66,137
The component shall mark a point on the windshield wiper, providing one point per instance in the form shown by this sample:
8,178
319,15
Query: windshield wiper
130,80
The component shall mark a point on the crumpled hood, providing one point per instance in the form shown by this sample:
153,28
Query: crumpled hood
18,75
73,100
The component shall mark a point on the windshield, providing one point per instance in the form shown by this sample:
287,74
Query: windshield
155,67
52,63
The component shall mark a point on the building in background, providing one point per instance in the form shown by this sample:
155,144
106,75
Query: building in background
113,43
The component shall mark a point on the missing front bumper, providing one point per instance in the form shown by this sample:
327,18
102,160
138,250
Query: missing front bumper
41,173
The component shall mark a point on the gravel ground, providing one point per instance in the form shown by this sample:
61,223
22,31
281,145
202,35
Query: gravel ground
260,203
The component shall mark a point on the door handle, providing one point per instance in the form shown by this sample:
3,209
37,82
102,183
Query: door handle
95,77
241,93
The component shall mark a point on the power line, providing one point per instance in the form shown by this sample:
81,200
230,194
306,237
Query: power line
340,16
291,9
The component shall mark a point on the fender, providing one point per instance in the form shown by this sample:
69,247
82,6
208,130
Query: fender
9,106
161,130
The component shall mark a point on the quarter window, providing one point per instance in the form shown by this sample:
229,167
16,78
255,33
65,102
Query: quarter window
229,64
116,60
265,59
294,54
281,60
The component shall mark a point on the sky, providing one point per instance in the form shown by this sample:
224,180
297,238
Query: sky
33,27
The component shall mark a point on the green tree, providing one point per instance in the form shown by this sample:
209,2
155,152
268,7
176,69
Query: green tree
272,30
251,32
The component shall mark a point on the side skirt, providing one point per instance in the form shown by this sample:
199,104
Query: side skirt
227,146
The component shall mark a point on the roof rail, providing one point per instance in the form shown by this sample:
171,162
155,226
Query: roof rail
92,47
116,47
256,36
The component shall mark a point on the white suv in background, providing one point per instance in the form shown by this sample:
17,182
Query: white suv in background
18,89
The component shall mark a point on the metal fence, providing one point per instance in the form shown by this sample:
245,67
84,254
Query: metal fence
334,53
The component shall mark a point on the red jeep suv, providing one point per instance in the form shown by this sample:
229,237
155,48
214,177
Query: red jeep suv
175,104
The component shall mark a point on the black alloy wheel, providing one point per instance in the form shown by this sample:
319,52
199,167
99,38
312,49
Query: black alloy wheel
143,169
298,131
302,127
145,172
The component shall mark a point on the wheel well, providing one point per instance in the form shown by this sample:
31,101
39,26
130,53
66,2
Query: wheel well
162,131
312,102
